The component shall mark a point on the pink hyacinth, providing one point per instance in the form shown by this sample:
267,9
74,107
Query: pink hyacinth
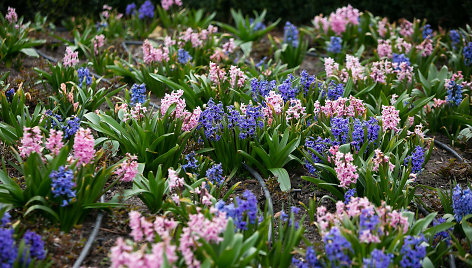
356,69
426,47
390,118
379,159
54,142
237,77
71,58
198,228
345,170
384,48
229,46
152,54
31,142
403,71
128,169
119,253
438,103
406,28
173,180
321,22
295,110
275,104
217,74
98,42
402,45
380,70
166,4
331,67
83,146
11,16
137,112
191,120
174,98
383,27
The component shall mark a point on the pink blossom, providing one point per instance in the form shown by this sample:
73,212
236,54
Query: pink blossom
217,75
383,27
119,253
137,112
379,71
152,54
353,65
366,236
31,141
71,58
379,159
402,45
330,67
11,16
54,142
173,180
191,120
403,71
426,47
83,146
406,28
275,104
229,46
384,48
321,23
438,103
237,77
128,168
295,110
166,4
135,224
98,42
174,98
390,118
345,170
168,41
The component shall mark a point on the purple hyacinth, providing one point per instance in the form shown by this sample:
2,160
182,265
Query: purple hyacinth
36,246
130,9
10,94
256,26
443,235
454,93
244,211
455,38
413,251
261,88
461,202
55,118
349,195
336,248
311,260
372,129
290,34
146,10
5,220
71,127
358,127
287,90
284,216
399,58
183,56
215,174
62,185
467,51
138,94
340,129
319,145
427,31
8,250
335,45
307,82
335,91
378,259
84,74
417,160
211,120
191,163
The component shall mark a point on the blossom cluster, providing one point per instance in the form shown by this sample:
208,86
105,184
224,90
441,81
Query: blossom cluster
190,120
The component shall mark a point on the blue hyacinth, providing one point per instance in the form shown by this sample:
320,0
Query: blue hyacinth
340,129
461,202
10,94
454,93
243,212
335,45
62,185
211,120
413,251
349,195
455,38
311,260
84,74
8,249
146,10
130,9
287,90
319,145
443,235
427,31
335,91
138,94
261,88
258,26
417,159
55,118
191,164
467,51
290,34
307,82
5,220
71,127
336,248
399,58
215,174
378,259
183,56
36,246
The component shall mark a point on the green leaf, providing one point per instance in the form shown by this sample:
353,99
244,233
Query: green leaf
30,52
282,177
